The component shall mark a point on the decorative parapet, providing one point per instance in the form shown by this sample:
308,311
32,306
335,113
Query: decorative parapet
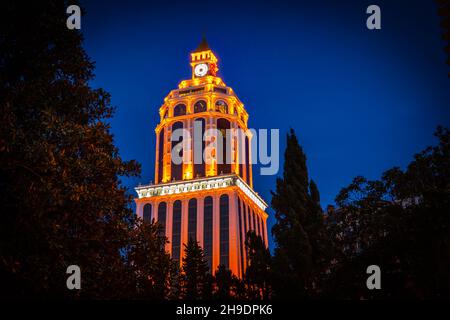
202,184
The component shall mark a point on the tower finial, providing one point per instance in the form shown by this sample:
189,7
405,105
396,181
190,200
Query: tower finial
203,46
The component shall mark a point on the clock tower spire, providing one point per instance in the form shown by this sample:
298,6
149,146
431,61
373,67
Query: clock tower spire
203,61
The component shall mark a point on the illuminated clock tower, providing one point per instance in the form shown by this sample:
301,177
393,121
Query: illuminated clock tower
208,196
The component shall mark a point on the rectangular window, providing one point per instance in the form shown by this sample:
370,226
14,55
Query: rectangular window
192,219
176,231
224,230
208,230
241,244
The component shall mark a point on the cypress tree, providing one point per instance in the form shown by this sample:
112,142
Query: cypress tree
175,282
320,240
152,267
224,282
299,225
195,270
258,273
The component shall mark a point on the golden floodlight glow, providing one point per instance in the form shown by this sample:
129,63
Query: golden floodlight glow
207,197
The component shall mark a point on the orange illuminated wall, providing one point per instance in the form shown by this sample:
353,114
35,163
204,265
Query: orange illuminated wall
212,202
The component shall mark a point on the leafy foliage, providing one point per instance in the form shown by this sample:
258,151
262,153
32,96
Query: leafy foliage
401,223
62,201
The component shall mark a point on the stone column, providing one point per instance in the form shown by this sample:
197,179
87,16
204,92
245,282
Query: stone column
139,209
167,168
211,168
157,164
154,211
250,173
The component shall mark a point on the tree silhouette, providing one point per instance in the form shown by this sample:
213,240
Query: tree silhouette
401,223
62,199
258,274
299,228
224,283
150,264
195,268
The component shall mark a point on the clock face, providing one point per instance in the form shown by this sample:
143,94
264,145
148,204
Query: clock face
201,69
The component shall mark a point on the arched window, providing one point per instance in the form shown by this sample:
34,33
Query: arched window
208,230
247,158
249,217
179,110
224,155
192,219
199,147
258,222
241,150
221,106
176,230
161,155
246,225
147,213
177,168
200,106
162,207
165,114
224,231
245,218
254,222
263,234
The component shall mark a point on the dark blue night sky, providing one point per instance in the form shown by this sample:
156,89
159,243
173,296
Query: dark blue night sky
360,101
